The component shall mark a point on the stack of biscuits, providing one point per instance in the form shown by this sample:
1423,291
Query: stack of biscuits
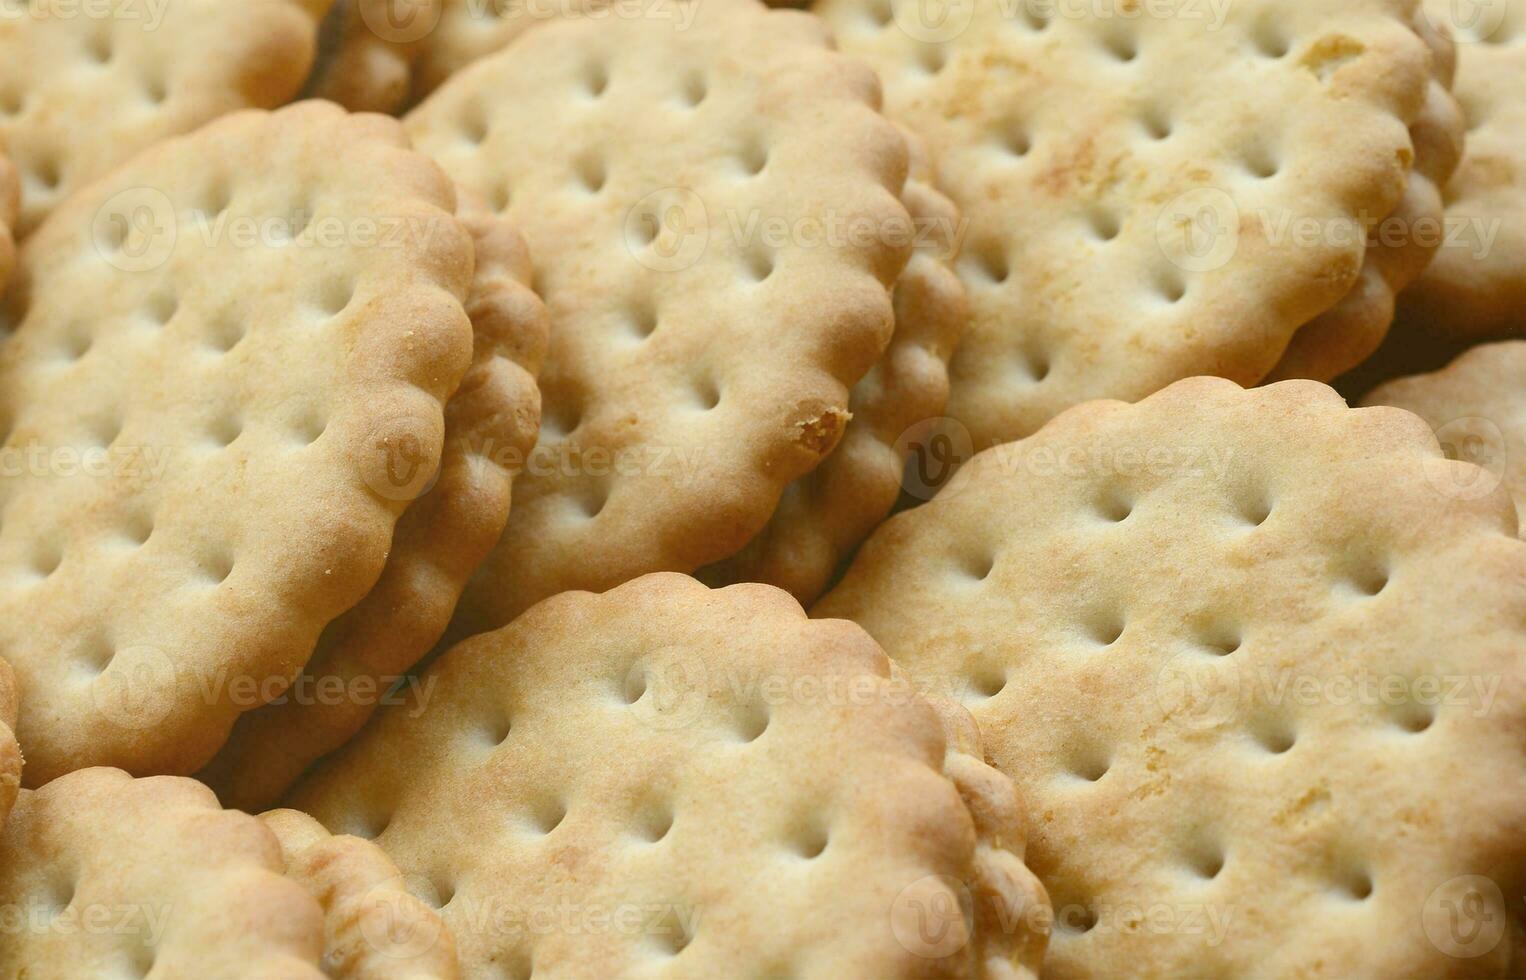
696,488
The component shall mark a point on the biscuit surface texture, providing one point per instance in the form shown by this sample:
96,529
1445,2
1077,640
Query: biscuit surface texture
490,425
85,86
1131,222
1254,659
711,782
224,386
103,875
1477,405
373,928
825,514
1476,286
715,221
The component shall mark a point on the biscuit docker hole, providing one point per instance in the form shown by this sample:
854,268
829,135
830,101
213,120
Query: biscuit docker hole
162,307
655,820
1367,578
987,681
1355,882
1124,47
1269,38
596,78
1414,717
810,840
694,91
1115,506
1157,123
1089,763
547,815
752,722
1274,736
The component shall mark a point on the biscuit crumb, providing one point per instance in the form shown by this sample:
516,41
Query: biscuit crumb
818,434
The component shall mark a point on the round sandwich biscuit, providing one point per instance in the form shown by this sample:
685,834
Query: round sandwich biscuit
669,779
103,875
225,386
827,513
1150,197
490,427
1257,662
84,86
715,221
1476,286
1399,247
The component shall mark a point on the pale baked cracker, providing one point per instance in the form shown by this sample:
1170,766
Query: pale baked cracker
825,514
103,875
260,411
677,188
490,426
84,86
1476,287
750,785
10,751
1477,405
1134,603
1399,247
373,929
390,54
1116,169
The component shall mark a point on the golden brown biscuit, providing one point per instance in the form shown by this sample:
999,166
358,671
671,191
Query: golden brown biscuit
84,86
666,778
490,426
1134,220
1254,659
1476,287
715,219
1399,247
225,385
825,514
103,875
